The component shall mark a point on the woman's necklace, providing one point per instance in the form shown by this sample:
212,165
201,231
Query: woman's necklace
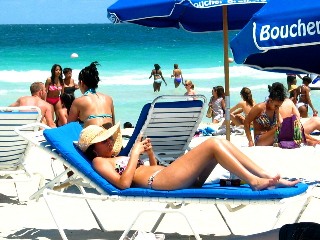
90,90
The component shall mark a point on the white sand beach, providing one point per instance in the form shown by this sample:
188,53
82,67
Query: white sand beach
32,219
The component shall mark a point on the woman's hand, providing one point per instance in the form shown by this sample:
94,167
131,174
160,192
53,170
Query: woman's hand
138,147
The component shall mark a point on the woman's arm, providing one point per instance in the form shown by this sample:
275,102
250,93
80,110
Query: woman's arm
163,78
149,150
151,74
74,111
223,105
47,84
237,108
307,92
105,167
254,112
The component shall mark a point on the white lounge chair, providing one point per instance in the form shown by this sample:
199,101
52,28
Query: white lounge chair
170,122
61,139
14,148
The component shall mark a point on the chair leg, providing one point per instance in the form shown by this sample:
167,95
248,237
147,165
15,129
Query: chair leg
163,212
92,211
49,185
61,231
224,219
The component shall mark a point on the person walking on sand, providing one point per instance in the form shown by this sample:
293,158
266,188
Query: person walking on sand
101,146
157,78
38,94
177,74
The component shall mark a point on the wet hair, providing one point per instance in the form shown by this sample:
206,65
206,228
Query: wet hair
175,65
66,70
220,91
53,69
277,92
67,100
306,79
157,66
247,95
35,87
90,75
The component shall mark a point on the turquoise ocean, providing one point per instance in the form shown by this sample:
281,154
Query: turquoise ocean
126,54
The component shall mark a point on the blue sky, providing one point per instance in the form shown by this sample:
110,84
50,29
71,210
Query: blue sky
54,11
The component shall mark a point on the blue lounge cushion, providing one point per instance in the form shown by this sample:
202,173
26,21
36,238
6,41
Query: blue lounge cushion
62,139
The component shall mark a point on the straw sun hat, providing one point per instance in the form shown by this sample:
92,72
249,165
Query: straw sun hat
94,134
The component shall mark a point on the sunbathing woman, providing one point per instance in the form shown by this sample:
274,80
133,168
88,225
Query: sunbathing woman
265,117
92,107
189,170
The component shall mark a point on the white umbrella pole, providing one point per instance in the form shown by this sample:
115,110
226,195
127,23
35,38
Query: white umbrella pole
226,69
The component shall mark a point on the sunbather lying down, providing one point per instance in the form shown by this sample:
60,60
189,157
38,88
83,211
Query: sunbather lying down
190,170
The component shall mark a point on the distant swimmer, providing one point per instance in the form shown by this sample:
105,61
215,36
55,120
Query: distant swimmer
177,74
157,78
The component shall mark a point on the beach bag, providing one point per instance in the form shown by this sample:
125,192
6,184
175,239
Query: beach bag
209,112
289,134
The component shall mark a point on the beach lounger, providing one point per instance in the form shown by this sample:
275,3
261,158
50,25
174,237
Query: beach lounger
14,148
170,122
62,139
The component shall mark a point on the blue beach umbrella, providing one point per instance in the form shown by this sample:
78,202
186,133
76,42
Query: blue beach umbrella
191,15
284,36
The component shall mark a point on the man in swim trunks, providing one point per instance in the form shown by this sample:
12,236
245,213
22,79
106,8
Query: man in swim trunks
38,94
177,74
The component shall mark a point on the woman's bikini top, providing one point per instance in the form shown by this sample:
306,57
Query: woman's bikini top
264,120
93,116
54,88
122,163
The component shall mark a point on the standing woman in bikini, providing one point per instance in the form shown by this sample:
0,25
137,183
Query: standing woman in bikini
157,78
265,117
92,108
177,74
304,101
55,87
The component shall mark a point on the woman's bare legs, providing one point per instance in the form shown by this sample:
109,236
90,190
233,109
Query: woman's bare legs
312,124
191,166
267,138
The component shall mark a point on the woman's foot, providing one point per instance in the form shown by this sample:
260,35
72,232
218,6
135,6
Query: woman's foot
277,182
263,183
286,183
